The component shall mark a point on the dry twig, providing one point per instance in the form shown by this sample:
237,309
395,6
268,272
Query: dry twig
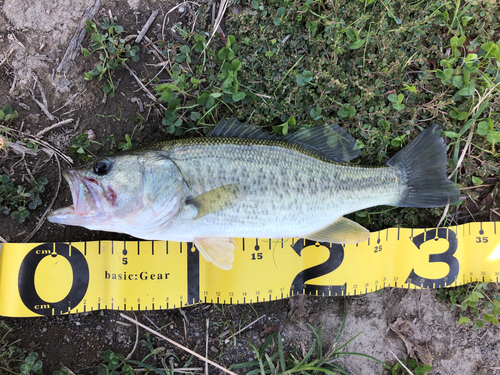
146,27
74,44
40,133
177,344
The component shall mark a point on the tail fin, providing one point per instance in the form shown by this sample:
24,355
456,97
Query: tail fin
423,162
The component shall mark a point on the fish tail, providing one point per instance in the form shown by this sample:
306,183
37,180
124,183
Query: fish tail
423,163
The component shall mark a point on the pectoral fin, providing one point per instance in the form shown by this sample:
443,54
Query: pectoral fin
216,200
342,231
219,251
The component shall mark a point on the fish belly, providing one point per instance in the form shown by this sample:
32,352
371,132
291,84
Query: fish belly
284,192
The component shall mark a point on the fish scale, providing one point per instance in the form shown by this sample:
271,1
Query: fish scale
287,191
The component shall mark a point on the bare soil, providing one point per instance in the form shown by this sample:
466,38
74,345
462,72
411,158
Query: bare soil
38,34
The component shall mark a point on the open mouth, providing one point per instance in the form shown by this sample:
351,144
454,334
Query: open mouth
86,194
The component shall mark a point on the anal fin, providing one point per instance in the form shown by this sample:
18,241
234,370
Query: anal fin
218,250
342,231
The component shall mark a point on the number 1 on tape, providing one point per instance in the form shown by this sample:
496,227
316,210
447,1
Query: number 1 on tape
63,278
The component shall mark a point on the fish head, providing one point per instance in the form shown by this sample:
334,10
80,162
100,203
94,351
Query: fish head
133,193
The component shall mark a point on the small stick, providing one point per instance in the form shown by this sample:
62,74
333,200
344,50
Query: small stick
3,239
61,123
146,27
74,44
206,347
244,328
44,99
177,344
42,107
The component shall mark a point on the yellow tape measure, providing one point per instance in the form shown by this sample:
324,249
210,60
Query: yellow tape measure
64,278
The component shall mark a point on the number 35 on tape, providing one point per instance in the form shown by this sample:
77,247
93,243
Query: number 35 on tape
63,278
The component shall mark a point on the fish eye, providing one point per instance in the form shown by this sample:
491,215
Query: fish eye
101,167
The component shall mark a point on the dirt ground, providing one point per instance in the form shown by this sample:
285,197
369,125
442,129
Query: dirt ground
34,36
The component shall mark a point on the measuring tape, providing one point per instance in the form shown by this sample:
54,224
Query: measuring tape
66,278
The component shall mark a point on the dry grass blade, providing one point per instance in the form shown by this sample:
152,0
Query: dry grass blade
177,344
170,11
401,363
144,88
136,339
222,10
244,328
464,151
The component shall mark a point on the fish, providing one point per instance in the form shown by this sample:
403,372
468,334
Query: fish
240,181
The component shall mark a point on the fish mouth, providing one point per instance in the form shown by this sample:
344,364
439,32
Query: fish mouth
86,194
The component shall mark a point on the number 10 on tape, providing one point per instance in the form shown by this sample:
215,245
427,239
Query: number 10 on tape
63,278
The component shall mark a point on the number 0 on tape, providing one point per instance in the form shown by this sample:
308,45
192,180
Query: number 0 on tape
66,278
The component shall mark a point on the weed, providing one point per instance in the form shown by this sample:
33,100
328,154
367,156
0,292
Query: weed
128,144
79,147
290,64
8,114
18,201
472,298
113,362
113,51
15,360
412,365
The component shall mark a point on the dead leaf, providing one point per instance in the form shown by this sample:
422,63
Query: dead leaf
270,329
415,348
298,307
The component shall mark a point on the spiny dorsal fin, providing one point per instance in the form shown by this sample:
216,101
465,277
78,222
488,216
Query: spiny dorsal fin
232,128
342,231
331,141
216,200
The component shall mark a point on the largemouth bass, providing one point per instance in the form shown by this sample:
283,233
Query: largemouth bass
242,182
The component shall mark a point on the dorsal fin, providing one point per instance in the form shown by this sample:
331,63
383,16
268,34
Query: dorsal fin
232,128
331,141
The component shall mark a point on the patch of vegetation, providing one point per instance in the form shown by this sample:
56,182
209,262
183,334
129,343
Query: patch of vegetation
17,201
8,114
113,50
385,71
474,301
15,360
411,364
315,361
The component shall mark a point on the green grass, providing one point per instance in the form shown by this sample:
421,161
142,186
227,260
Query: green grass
317,360
383,70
